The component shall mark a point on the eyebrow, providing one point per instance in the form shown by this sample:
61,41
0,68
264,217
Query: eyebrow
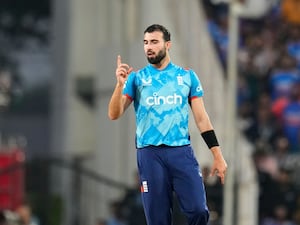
151,40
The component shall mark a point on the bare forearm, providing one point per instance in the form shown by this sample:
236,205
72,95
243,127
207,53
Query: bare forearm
116,105
205,125
216,152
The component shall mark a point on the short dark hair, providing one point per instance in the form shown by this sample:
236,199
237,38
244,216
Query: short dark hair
158,27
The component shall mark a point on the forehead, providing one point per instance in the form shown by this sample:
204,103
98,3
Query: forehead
156,35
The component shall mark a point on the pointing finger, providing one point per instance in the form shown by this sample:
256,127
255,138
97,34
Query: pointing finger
119,62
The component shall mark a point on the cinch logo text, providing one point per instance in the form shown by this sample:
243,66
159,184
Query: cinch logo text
161,100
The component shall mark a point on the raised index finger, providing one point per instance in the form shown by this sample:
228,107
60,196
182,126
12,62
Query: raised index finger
119,62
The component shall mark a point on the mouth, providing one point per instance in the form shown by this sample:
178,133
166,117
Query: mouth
150,54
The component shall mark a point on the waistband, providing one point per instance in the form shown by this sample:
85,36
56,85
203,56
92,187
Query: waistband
164,146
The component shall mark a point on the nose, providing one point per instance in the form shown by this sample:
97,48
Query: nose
147,48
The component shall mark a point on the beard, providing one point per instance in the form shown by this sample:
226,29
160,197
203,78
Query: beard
157,59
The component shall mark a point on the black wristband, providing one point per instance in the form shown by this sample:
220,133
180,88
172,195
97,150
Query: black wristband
210,138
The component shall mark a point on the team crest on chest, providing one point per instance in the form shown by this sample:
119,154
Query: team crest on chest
179,80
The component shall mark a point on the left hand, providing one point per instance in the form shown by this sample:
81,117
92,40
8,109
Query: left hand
219,167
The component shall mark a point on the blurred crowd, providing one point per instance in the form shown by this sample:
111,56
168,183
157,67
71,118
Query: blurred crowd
268,101
21,215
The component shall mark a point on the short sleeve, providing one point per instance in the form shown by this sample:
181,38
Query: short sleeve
129,86
196,87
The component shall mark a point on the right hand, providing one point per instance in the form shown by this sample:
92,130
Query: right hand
122,71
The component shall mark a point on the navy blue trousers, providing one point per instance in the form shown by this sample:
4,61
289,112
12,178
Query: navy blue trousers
166,169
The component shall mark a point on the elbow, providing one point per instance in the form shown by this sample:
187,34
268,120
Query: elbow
113,116
115,112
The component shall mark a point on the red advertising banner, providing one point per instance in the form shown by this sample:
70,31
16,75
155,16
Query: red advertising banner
12,173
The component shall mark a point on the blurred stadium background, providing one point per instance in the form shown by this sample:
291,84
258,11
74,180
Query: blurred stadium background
67,164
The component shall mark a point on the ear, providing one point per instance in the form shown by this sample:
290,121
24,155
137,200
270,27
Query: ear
168,45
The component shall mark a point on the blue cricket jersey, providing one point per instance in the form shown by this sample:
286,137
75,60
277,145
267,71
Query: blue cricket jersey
161,102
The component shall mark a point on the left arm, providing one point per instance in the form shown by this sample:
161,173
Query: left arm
203,124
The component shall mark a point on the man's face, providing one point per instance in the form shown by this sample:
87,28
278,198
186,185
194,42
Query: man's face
155,47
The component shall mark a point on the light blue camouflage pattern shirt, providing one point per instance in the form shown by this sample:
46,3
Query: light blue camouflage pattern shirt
161,102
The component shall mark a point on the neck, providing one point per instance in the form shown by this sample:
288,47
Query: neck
163,63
